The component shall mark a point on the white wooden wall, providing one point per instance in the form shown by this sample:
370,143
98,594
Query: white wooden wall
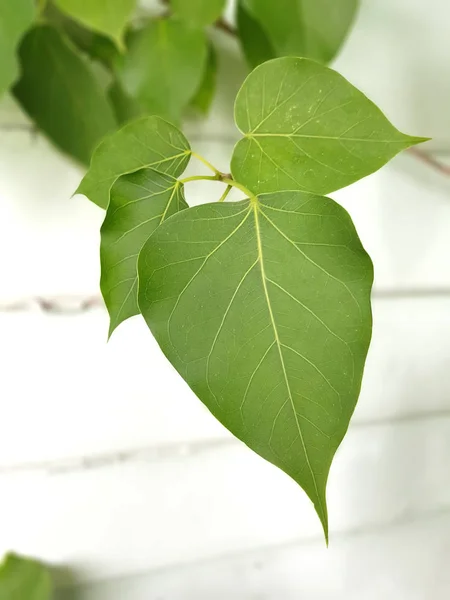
110,465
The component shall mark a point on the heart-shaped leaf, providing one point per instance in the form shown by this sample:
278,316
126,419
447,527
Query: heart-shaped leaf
164,66
198,12
308,128
60,92
139,203
24,579
15,18
149,142
311,28
105,16
263,307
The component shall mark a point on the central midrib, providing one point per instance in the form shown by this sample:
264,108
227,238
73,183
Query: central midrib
280,352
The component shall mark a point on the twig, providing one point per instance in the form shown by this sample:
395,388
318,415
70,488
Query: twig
226,27
429,160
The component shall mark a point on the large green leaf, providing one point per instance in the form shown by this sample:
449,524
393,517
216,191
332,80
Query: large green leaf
59,91
149,142
105,16
24,579
199,12
255,43
139,203
310,28
15,18
164,66
263,307
308,128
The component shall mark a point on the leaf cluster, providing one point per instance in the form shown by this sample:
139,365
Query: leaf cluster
262,305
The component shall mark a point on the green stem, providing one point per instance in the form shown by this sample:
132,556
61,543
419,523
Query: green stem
239,187
206,163
225,194
200,178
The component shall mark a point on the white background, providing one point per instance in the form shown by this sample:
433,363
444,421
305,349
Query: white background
110,466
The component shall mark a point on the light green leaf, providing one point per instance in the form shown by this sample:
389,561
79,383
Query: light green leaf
149,142
105,16
15,18
205,94
164,66
139,203
24,579
254,41
310,28
263,307
308,128
60,93
198,12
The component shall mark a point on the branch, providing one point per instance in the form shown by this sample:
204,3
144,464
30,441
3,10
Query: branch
432,162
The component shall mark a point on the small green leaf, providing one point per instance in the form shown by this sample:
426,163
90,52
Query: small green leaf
205,94
164,67
15,18
308,128
310,28
105,16
60,93
263,307
149,142
254,41
198,12
24,579
139,203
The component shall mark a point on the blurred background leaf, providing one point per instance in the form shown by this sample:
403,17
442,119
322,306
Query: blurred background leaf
59,91
24,579
198,12
15,18
164,66
105,16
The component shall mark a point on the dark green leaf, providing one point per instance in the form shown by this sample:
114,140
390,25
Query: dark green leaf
164,67
205,94
255,43
24,579
310,28
125,108
59,91
198,12
149,142
263,307
308,128
139,203
16,16
105,16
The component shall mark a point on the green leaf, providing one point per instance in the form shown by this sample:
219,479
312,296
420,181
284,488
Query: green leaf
254,41
125,108
24,579
164,67
105,16
263,307
311,28
205,94
60,93
198,12
15,18
308,128
139,203
149,142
